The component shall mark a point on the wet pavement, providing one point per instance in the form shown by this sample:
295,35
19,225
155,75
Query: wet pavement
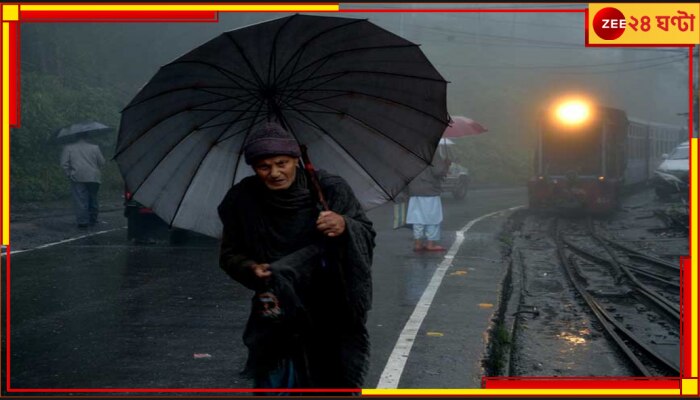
100,312
41,223
553,332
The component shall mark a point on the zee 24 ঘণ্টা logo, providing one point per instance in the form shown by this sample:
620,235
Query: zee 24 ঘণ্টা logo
610,23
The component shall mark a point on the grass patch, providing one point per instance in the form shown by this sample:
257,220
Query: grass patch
497,362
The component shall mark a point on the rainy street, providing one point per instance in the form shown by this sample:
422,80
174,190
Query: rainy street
564,167
100,312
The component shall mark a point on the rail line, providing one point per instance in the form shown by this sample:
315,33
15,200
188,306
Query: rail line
623,285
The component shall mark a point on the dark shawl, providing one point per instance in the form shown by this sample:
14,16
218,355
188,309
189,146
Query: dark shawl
323,284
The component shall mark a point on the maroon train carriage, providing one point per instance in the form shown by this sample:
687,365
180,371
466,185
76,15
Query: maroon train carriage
586,155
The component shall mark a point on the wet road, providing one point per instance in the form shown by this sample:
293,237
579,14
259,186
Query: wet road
102,313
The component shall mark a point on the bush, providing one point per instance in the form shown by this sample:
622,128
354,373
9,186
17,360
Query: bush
47,104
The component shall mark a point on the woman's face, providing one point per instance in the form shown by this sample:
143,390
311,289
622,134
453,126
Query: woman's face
277,172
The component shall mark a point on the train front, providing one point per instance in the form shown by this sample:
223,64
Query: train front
577,160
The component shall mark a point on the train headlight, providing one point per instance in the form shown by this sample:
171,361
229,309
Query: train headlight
573,112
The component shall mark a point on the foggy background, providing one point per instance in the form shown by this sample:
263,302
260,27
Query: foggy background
503,67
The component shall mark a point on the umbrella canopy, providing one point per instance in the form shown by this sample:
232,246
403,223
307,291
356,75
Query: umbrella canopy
368,104
463,126
70,133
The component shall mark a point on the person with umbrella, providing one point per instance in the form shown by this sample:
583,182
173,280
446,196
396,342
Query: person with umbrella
361,101
81,161
424,211
310,268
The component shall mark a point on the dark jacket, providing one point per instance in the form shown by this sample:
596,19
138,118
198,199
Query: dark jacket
429,182
323,284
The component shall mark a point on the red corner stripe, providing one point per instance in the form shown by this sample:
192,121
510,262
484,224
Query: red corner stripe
118,16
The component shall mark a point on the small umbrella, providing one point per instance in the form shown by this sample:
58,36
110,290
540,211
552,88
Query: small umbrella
367,104
463,126
71,132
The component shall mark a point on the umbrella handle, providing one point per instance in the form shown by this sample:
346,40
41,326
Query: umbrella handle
312,174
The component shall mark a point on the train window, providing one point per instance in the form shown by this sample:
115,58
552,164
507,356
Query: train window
636,141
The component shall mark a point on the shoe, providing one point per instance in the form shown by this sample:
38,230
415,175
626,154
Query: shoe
82,226
436,248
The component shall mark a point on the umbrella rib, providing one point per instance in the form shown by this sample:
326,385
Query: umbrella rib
225,96
226,123
194,174
166,155
327,57
286,86
201,89
323,60
223,71
163,119
315,124
360,71
301,100
247,96
218,109
240,153
273,53
292,93
345,93
302,47
363,123
234,134
257,77
176,144
227,73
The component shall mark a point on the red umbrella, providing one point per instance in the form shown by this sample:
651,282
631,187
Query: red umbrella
463,126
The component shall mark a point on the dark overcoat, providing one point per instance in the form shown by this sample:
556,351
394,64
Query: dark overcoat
324,285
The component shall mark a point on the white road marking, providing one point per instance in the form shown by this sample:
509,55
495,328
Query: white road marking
397,360
43,246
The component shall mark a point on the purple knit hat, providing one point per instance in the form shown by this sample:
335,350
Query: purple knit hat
270,140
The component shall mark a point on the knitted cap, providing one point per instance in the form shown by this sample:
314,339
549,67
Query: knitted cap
270,140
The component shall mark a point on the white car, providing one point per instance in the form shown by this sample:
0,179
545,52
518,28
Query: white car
671,176
457,179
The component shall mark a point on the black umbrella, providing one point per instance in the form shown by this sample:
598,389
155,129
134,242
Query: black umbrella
86,129
367,103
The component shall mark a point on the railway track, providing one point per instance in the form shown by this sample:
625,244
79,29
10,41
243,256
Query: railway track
634,296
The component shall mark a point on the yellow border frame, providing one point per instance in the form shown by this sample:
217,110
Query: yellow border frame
11,12
5,132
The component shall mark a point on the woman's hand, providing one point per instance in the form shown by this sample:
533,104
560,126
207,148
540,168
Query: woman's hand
261,271
330,223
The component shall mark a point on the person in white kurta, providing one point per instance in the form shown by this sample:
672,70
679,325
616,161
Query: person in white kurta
425,206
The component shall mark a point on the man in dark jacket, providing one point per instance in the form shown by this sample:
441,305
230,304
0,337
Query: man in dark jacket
425,206
310,269
81,161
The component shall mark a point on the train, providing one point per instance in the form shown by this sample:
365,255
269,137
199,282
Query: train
588,155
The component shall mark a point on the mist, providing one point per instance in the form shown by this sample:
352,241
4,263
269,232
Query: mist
503,68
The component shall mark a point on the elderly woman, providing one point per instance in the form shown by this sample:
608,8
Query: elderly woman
309,268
